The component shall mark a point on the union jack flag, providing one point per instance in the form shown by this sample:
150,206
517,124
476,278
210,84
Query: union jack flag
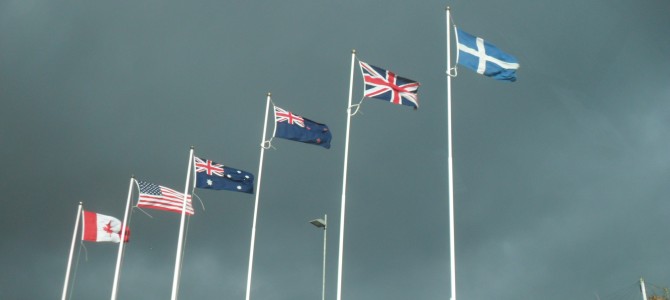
208,166
282,115
386,85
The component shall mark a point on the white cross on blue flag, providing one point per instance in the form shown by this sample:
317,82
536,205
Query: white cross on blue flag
485,58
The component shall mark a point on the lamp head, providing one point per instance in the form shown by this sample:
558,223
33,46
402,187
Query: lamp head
320,223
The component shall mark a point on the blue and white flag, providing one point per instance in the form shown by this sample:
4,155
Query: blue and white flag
214,176
485,58
296,128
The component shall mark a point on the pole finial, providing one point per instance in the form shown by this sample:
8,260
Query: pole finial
353,51
192,147
80,203
269,94
448,8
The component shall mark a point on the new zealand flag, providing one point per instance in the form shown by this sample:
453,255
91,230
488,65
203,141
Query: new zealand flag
210,175
296,128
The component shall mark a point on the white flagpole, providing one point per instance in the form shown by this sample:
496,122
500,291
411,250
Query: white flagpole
323,277
117,271
450,162
177,264
344,179
69,260
258,192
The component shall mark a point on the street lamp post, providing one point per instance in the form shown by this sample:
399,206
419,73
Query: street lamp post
322,223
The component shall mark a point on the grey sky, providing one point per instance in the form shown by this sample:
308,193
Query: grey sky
560,178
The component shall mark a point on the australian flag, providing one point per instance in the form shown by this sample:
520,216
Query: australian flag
386,85
210,175
483,57
296,128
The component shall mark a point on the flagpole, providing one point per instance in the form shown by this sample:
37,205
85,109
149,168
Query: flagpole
69,260
344,179
323,277
124,225
177,264
258,192
450,162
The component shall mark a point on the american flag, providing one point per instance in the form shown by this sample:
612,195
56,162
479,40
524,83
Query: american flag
159,197
282,115
386,85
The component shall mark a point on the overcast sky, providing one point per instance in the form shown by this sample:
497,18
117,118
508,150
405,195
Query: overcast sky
561,178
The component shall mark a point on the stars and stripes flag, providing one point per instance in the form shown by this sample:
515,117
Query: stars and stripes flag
102,228
162,198
386,85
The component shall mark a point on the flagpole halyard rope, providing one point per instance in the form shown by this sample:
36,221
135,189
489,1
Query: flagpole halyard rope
454,68
452,247
177,264
69,260
268,144
357,107
454,73
122,236
139,208
76,267
142,210
344,182
85,251
202,204
130,217
258,191
183,250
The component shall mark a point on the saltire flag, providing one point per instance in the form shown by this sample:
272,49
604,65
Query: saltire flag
296,128
162,198
386,85
101,228
214,176
485,58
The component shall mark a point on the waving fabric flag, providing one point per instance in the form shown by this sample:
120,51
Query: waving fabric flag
101,228
485,58
386,85
210,175
296,128
162,198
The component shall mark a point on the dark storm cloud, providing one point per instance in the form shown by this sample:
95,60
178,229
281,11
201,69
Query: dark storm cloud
560,178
